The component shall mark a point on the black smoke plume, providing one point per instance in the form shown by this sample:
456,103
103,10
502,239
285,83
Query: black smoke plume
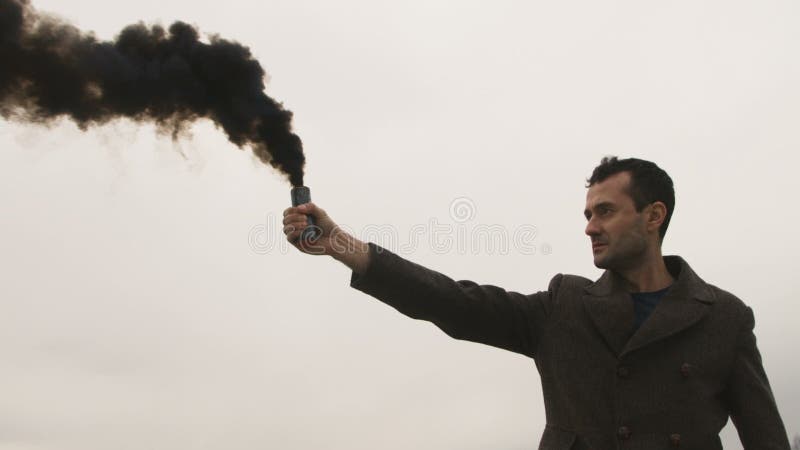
50,69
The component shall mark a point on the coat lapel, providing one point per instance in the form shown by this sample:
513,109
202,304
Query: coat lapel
611,308
685,304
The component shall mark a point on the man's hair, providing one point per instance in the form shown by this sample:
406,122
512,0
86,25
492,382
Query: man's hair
649,183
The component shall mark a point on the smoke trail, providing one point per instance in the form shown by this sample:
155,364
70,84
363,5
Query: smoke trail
50,69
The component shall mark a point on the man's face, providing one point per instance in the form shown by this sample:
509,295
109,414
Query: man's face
617,231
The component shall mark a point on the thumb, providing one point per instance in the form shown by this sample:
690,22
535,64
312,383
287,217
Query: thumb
313,209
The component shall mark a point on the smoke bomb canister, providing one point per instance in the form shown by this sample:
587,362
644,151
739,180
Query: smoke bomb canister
300,195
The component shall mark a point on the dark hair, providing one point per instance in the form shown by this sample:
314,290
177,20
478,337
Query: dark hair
649,183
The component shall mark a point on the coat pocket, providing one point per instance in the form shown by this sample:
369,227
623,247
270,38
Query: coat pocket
555,438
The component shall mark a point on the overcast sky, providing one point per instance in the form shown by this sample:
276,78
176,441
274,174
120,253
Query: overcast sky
148,300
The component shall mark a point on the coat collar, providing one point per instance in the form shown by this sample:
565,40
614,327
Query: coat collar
610,306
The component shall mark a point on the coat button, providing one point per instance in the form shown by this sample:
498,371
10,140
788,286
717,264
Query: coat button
685,370
623,372
624,433
675,440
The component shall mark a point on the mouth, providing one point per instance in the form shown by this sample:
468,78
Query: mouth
596,247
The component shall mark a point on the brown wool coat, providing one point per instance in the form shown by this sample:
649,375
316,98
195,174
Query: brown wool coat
673,383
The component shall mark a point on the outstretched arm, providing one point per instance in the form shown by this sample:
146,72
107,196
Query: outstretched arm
462,309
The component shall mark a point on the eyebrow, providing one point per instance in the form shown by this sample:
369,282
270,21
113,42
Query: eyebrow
587,213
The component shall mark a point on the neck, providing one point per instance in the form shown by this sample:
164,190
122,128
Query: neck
649,275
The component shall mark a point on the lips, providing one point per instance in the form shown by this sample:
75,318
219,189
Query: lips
598,246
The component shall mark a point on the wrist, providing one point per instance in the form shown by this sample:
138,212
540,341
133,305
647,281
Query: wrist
350,251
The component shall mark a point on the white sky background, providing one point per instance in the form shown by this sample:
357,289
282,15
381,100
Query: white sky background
136,313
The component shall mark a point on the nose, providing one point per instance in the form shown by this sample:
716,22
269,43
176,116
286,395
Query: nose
591,228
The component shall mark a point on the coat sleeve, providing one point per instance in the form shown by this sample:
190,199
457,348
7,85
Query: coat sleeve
752,406
462,309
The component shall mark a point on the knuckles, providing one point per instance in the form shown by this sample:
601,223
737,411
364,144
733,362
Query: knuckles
294,218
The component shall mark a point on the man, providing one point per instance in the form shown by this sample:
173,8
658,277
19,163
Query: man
647,357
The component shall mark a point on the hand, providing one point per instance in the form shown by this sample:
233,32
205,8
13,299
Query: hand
295,220
331,240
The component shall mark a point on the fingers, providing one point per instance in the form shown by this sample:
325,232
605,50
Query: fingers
293,230
296,226
305,208
293,235
296,219
311,208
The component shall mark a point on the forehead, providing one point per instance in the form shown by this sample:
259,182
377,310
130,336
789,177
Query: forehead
613,189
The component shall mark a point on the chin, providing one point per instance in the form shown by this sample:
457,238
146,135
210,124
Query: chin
600,262
606,261
601,259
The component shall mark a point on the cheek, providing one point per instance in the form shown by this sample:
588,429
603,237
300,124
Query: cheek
615,228
626,233
633,239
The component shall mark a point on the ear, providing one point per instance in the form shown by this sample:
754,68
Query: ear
655,215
